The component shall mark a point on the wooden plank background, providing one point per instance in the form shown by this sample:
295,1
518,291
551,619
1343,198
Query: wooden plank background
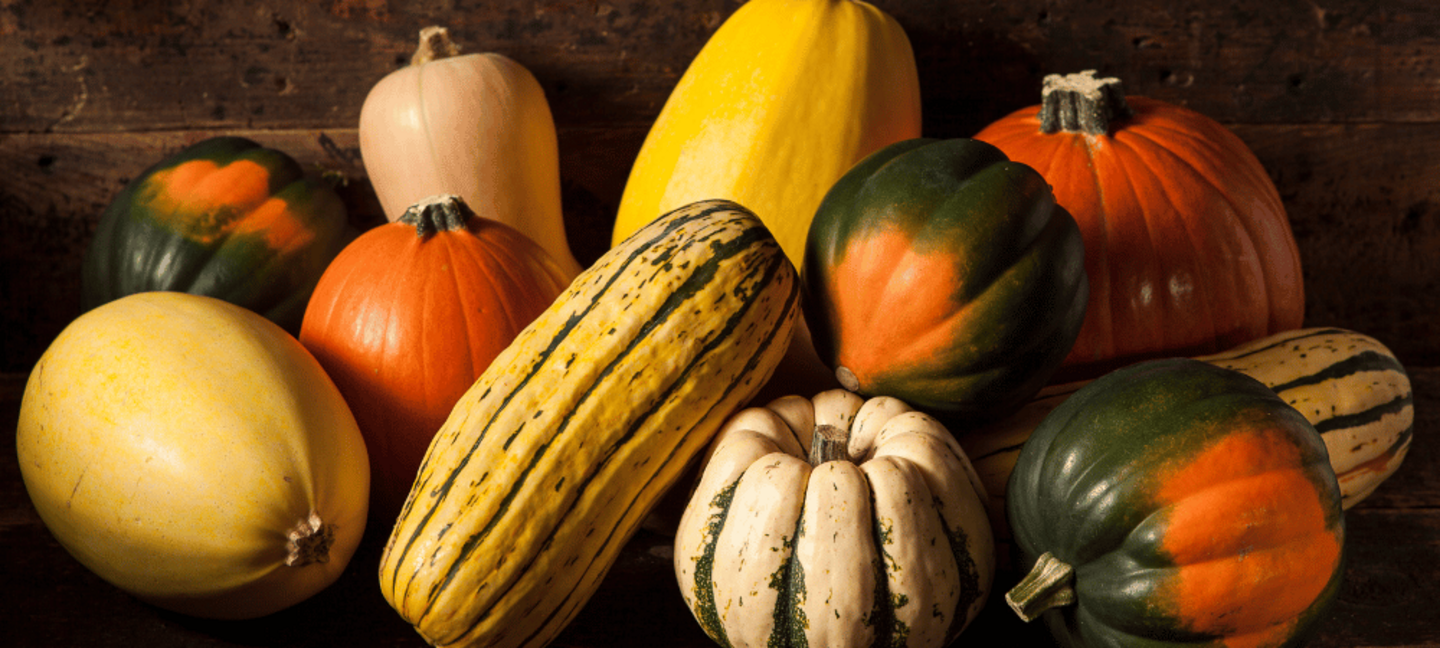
1340,100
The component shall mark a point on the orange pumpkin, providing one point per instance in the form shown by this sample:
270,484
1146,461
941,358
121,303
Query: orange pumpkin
1187,244
409,315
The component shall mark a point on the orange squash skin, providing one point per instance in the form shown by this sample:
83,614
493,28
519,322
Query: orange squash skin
1188,247
943,274
404,324
1194,505
226,218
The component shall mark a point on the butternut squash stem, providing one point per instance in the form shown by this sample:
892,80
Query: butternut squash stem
1081,103
309,542
442,213
435,44
1050,584
829,443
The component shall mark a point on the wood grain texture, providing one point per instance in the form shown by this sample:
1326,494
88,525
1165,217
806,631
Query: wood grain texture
1364,203
1340,100
83,66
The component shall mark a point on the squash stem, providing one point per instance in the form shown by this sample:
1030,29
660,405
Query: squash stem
435,44
1081,103
1050,584
442,213
829,443
309,542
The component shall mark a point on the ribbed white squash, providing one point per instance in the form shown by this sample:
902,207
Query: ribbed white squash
835,521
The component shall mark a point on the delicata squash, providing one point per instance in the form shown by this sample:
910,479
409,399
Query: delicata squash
547,465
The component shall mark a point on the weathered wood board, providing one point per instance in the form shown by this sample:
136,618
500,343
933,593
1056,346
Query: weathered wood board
1339,99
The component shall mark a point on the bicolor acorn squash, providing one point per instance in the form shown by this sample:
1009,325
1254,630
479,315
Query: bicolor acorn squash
410,314
1176,503
1187,244
1346,384
225,218
943,274
784,98
835,521
548,464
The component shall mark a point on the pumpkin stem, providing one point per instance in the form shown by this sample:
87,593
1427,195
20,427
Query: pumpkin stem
1050,584
1081,103
829,443
309,542
435,44
442,213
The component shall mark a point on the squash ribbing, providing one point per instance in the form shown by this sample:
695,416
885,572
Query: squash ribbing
548,464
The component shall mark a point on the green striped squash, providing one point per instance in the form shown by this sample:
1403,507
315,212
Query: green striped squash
835,521
1349,386
547,465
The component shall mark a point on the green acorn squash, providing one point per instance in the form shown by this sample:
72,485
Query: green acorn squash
1176,503
943,274
225,218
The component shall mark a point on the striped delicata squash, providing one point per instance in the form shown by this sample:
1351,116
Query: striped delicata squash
547,465
835,521
1347,384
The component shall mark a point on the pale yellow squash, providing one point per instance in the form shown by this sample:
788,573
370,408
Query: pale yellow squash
192,453
784,98
474,125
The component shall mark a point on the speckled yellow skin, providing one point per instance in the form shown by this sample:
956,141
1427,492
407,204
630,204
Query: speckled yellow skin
171,442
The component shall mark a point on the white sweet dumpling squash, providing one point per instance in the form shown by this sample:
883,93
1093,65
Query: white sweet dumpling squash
835,521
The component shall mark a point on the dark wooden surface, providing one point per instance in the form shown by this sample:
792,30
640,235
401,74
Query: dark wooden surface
1340,100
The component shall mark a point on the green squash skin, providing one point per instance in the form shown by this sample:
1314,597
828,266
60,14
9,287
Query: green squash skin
137,246
1082,489
1020,256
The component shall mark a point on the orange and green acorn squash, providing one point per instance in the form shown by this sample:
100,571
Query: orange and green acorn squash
1176,503
943,274
225,218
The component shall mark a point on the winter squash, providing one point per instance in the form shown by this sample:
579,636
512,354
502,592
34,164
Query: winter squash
191,453
1187,245
835,521
548,464
408,316
1347,384
1176,503
943,274
783,98
225,217
473,125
